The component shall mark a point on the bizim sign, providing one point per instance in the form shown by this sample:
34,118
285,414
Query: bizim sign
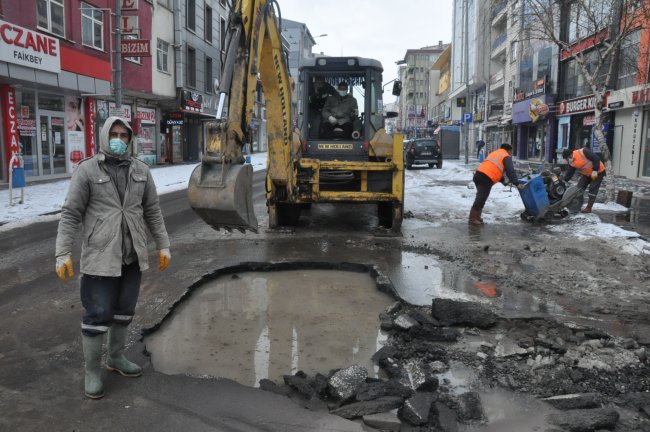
136,48
25,47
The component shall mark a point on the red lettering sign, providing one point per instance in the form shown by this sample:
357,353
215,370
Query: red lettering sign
136,48
91,108
9,113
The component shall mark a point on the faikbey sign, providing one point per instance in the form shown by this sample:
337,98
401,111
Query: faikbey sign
25,47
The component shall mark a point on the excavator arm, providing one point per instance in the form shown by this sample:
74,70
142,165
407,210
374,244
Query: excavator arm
220,189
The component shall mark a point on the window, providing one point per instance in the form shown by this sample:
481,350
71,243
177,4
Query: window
208,23
190,14
628,67
50,16
513,50
208,75
223,34
162,56
191,67
92,27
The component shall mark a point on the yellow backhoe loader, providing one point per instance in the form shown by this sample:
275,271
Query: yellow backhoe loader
307,161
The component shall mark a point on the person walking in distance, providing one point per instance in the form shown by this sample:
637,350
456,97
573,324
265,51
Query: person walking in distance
488,173
113,198
591,169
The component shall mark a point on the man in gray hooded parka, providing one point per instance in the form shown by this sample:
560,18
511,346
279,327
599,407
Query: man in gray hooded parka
113,197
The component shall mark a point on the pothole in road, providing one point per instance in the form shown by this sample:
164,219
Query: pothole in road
253,325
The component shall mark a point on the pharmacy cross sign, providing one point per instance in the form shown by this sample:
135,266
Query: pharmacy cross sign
136,48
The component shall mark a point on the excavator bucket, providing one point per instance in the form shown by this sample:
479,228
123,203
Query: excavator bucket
222,195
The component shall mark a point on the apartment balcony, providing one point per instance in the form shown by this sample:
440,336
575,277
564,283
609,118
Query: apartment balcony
497,80
499,13
499,45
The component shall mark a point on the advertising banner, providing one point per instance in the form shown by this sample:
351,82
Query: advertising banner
530,110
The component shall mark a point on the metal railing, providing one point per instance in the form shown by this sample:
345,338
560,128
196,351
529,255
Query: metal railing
499,40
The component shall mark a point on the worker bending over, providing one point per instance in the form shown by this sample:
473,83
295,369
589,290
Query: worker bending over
585,161
488,173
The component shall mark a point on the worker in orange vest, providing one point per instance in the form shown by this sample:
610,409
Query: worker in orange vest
591,170
488,173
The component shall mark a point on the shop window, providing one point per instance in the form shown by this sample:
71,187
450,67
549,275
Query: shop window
50,16
92,27
50,102
26,107
162,56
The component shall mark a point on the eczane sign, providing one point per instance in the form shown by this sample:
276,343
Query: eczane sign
26,47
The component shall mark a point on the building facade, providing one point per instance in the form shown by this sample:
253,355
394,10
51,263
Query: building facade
58,85
417,101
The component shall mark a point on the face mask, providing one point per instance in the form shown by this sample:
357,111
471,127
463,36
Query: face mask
343,92
117,146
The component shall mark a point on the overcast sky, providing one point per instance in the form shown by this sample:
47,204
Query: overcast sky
380,29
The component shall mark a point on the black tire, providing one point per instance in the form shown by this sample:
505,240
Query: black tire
409,166
288,214
390,215
431,165
385,214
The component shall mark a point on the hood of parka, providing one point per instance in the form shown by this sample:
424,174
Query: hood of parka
103,138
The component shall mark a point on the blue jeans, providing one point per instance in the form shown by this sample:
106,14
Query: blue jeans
109,300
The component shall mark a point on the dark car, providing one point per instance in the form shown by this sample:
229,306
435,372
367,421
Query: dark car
423,151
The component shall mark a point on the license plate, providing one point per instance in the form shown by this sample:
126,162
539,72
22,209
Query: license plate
335,147
426,153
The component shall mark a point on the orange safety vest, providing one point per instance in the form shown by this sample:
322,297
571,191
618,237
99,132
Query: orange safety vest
584,165
493,166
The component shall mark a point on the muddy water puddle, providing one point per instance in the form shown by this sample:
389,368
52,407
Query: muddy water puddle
255,325
421,278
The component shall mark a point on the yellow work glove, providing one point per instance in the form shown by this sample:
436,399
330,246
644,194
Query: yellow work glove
164,256
594,175
521,186
63,263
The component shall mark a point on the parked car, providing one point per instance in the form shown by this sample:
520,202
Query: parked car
423,151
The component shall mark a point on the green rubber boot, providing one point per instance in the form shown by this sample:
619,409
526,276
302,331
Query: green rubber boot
116,360
92,349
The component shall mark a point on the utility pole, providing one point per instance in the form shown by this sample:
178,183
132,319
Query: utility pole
465,125
118,54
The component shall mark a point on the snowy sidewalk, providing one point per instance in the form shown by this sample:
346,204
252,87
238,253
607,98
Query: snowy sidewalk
43,201
433,197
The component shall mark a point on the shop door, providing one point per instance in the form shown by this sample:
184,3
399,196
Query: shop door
52,143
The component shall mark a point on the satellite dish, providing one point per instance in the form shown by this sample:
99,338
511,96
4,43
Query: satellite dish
216,85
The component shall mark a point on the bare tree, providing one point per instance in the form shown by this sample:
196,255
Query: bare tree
596,33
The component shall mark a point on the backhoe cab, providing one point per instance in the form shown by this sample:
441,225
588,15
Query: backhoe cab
344,157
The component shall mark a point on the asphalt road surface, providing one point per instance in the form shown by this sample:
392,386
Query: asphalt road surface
532,271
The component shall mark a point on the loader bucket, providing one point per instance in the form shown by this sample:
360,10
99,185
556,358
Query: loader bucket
222,195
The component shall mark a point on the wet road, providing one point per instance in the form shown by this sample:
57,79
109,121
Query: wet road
40,360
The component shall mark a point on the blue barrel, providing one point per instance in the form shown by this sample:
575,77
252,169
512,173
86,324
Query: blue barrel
18,177
534,196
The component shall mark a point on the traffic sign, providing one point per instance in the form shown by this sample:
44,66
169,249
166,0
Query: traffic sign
467,117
